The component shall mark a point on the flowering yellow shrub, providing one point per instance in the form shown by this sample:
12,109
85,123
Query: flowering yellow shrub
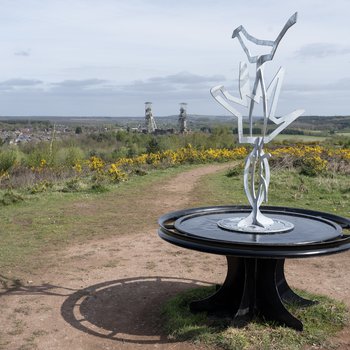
340,153
298,151
77,167
181,156
192,155
140,160
312,160
308,159
313,165
116,174
4,175
42,165
96,164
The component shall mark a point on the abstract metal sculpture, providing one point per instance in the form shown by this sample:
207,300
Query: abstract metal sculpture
257,171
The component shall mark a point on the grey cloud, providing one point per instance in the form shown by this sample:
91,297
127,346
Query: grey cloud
340,85
148,86
24,53
80,83
20,82
322,50
180,82
113,99
187,78
183,82
76,87
184,86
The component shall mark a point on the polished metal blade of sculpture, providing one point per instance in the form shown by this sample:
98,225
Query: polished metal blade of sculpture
257,170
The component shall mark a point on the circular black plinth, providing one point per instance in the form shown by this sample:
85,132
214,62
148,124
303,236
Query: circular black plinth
314,233
255,283
307,229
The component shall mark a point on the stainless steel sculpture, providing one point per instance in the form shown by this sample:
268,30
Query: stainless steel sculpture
149,120
257,171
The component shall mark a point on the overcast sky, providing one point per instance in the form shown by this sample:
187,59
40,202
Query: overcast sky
107,57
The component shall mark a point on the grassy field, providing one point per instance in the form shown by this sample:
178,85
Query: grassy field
287,188
300,138
345,134
49,221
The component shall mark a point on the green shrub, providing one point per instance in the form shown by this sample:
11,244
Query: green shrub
7,159
69,156
99,187
153,146
139,172
11,197
40,187
237,170
313,166
36,157
73,185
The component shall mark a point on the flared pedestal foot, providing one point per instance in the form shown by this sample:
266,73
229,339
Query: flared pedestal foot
286,293
253,287
225,300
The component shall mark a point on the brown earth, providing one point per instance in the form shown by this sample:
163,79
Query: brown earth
107,293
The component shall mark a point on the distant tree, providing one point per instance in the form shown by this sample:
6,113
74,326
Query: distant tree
132,151
205,129
78,130
121,135
153,146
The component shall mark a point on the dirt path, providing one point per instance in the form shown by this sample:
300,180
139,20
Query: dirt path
107,294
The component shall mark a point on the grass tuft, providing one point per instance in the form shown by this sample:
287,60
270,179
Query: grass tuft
320,322
10,197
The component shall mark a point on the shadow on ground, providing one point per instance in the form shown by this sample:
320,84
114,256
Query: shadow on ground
127,310
14,286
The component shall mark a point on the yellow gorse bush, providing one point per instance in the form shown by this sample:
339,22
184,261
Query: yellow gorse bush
340,153
78,167
313,165
183,155
96,164
298,151
309,151
118,170
4,175
312,160
117,174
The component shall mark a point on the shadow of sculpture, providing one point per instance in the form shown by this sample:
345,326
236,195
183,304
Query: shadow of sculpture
128,310
15,286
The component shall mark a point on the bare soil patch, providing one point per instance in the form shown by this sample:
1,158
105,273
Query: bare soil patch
108,293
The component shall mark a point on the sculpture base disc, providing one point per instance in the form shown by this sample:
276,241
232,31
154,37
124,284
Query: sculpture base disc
278,226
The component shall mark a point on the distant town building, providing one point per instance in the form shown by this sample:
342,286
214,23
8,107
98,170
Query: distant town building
149,120
183,118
